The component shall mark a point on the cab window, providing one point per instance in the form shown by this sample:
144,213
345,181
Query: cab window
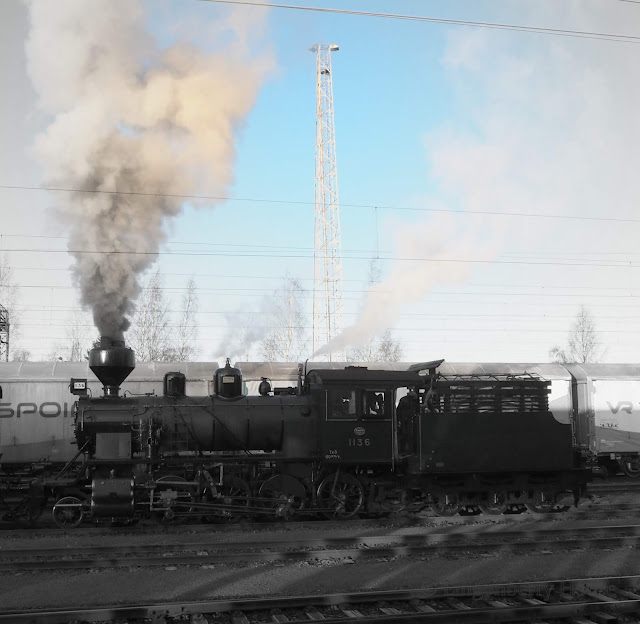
342,403
376,404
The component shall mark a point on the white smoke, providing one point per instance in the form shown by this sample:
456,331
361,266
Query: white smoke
443,250
244,330
538,125
554,130
130,117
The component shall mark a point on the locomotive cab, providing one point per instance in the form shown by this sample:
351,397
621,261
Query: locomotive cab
358,419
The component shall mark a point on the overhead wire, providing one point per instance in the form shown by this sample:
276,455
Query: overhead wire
619,264
440,20
523,254
396,329
252,291
310,203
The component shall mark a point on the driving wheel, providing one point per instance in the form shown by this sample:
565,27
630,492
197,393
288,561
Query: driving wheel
340,495
288,493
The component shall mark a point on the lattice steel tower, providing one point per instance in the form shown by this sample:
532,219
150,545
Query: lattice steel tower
4,334
327,249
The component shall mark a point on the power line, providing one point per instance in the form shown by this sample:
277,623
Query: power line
437,20
523,254
308,203
620,264
278,279
582,255
413,315
483,328
252,291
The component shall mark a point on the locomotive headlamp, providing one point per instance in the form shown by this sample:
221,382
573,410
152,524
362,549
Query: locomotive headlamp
78,386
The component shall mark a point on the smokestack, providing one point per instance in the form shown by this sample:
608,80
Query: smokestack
112,363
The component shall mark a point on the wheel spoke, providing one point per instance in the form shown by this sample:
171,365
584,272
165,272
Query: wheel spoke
341,493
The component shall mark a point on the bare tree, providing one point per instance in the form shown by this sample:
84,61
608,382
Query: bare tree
78,328
187,334
287,338
388,349
379,348
582,343
9,294
558,355
150,333
21,355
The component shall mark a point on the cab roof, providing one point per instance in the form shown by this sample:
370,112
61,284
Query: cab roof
364,376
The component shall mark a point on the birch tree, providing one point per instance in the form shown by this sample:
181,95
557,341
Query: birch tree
287,339
78,329
582,343
187,330
382,348
9,293
150,333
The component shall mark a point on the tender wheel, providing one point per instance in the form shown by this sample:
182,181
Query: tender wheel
445,505
288,493
395,500
495,505
234,493
630,466
340,495
68,512
543,502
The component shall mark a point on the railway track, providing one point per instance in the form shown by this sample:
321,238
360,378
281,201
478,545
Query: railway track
585,510
600,488
614,486
213,552
594,600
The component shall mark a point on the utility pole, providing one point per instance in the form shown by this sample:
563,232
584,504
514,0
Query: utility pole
327,248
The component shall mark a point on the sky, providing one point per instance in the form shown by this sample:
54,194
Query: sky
492,173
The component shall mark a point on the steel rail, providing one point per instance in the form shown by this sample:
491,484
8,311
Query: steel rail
408,516
472,603
355,547
614,487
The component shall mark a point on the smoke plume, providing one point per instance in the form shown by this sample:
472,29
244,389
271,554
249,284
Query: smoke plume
440,251
132,124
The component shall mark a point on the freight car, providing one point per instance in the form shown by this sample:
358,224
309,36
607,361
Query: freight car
338,443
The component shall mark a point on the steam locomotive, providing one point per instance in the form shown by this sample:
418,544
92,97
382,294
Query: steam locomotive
341,442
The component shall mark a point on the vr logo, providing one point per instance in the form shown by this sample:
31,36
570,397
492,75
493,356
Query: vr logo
625,406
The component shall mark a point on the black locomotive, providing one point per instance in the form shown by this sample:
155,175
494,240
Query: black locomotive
341,443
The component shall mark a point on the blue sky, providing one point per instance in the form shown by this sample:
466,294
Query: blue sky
428,117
